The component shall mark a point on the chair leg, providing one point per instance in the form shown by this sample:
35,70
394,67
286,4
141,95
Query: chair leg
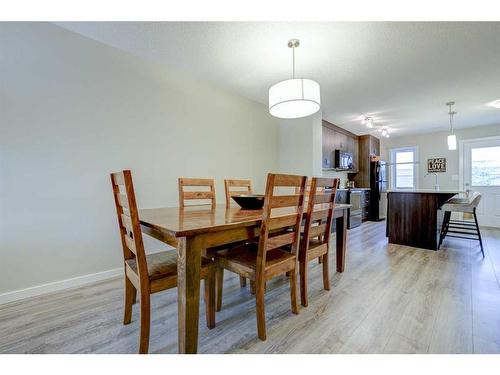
220,285
293,292
260,310
145,322
243,281
444,227
130,296
252,287
319,258
210,299
479,233
326,273
303,283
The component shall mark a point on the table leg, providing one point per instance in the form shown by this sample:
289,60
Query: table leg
341,239
188,291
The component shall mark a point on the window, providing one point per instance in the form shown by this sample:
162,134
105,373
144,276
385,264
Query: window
485,166
404,168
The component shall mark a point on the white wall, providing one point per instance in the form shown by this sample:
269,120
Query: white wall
434,145
299,151
301,147
72,111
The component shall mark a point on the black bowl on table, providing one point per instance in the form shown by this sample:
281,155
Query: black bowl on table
250,202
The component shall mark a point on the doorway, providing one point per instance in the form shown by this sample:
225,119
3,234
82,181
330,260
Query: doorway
480,171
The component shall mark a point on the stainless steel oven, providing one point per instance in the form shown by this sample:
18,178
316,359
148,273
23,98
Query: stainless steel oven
355,214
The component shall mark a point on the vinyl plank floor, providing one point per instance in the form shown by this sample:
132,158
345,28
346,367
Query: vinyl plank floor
390,299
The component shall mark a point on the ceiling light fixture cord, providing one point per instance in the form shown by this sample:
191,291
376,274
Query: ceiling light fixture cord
293,62
451,113
451,122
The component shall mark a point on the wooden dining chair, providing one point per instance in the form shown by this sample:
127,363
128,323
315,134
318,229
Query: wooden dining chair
208,194
308,189
236,188
148,274
268,258
315,241
306,199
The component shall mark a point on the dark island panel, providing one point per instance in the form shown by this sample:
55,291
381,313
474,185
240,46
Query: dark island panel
413,218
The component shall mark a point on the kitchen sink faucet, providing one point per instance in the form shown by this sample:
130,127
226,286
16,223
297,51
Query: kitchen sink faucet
436,183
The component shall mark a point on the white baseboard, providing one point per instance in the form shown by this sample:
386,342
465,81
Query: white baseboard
39,290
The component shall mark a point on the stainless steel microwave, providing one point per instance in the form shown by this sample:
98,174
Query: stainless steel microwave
343,160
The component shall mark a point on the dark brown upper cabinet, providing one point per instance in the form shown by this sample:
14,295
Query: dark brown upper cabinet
336,138
368,146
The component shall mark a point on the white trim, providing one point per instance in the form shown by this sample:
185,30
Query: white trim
461,164
56,286
461,151
392,164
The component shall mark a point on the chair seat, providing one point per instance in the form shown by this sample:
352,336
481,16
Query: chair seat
212,250
462,203
456,207
244,258
314,242
162,264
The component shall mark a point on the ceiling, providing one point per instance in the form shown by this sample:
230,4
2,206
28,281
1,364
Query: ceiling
400,73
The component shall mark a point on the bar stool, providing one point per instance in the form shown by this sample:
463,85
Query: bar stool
461,228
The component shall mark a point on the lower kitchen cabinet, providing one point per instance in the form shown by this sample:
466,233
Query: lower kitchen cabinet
360,201
365,204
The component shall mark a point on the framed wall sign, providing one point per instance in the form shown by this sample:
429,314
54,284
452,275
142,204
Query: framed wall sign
436,165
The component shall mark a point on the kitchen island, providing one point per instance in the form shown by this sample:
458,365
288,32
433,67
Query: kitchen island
413,216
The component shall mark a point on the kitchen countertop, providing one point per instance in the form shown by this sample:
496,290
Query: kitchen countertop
428,191
355,188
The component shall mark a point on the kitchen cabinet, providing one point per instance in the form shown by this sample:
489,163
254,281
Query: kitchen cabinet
365,204
368,146
341,196
328,147
336,138
352,147
340,141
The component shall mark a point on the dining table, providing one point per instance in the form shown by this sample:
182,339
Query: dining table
193,229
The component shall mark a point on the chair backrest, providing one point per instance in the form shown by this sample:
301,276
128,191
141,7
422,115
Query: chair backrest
459,204
308,189
128,221
235,188
319,214
475,199
272,230
208,194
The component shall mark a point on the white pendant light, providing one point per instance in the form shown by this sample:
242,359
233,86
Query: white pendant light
452,142
452,138
296,97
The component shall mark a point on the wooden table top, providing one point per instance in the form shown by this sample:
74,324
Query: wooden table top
188,221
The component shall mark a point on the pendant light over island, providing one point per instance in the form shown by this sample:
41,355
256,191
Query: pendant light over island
452,138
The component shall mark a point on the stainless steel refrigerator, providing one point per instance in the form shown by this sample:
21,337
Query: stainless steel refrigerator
378,189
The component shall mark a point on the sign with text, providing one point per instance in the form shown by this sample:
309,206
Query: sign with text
436,165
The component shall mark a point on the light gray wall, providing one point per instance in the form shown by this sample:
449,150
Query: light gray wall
300,145
434,145
72,111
